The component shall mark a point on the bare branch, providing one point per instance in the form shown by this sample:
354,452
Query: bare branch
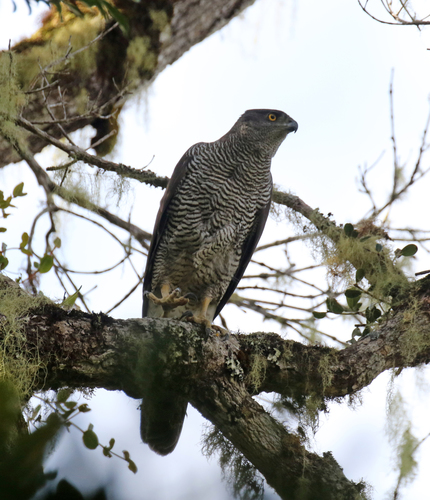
78,153
403,16
51,187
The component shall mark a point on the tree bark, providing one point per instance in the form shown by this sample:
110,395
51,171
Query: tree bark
219,376
161,31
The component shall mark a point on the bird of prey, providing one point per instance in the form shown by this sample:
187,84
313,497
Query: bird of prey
210,220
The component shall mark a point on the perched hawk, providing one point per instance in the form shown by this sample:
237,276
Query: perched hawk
210,220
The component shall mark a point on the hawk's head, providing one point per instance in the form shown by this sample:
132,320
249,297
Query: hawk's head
265,129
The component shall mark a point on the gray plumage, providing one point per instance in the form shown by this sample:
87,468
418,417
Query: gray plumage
209,222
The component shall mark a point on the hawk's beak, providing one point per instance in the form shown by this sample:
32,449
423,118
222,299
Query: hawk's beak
292,126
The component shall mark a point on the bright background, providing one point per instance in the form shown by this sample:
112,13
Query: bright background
329,66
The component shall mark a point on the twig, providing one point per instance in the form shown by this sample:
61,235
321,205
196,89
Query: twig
50,186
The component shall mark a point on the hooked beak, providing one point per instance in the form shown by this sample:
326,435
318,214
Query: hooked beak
292,126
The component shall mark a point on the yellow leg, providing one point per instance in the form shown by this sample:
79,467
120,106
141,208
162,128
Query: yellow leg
205,305
201,317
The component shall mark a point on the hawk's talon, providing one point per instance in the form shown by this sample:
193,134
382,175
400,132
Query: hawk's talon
185,315
192,296
199,320
202,320
170,301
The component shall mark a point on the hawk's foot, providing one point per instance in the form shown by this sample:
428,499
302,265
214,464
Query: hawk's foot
170,301
196,318
202,320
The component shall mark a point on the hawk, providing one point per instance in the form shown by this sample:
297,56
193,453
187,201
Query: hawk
210,220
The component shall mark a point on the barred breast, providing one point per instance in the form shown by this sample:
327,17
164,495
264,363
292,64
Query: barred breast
210,217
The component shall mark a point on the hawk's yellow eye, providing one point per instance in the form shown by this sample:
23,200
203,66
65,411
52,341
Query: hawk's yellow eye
272,117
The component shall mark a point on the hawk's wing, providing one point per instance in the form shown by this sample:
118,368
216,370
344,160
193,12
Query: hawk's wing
160,224
248,248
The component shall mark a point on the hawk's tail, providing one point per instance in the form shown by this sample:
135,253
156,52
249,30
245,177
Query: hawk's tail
162,417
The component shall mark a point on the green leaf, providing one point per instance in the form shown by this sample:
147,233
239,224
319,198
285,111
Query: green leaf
107,449
71,405
57,242
69,301
352,293
354,303
35,412
84,408
3,262
17,190
348,229
63,395
3,229
46,263
24,240
23,244
409,250
372,314
90,439
106,452
119,17
356,332
366,331
72,7
319,315
334,306
359,275
132,466
378,247
6,203
54,419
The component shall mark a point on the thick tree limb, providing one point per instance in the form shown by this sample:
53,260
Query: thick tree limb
95,351
102,346
219,375
161,31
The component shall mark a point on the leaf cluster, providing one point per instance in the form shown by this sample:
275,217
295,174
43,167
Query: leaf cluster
66,410
45,263
105,8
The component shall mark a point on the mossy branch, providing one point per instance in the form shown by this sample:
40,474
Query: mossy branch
160,32
51,187
93,350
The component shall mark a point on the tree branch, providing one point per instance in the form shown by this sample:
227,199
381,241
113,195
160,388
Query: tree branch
218,375
162,29
52,188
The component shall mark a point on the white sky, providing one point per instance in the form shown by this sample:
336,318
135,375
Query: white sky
329,66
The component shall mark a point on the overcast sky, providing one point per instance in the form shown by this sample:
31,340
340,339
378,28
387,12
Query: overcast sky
329,66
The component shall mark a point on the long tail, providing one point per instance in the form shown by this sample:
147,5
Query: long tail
162,417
